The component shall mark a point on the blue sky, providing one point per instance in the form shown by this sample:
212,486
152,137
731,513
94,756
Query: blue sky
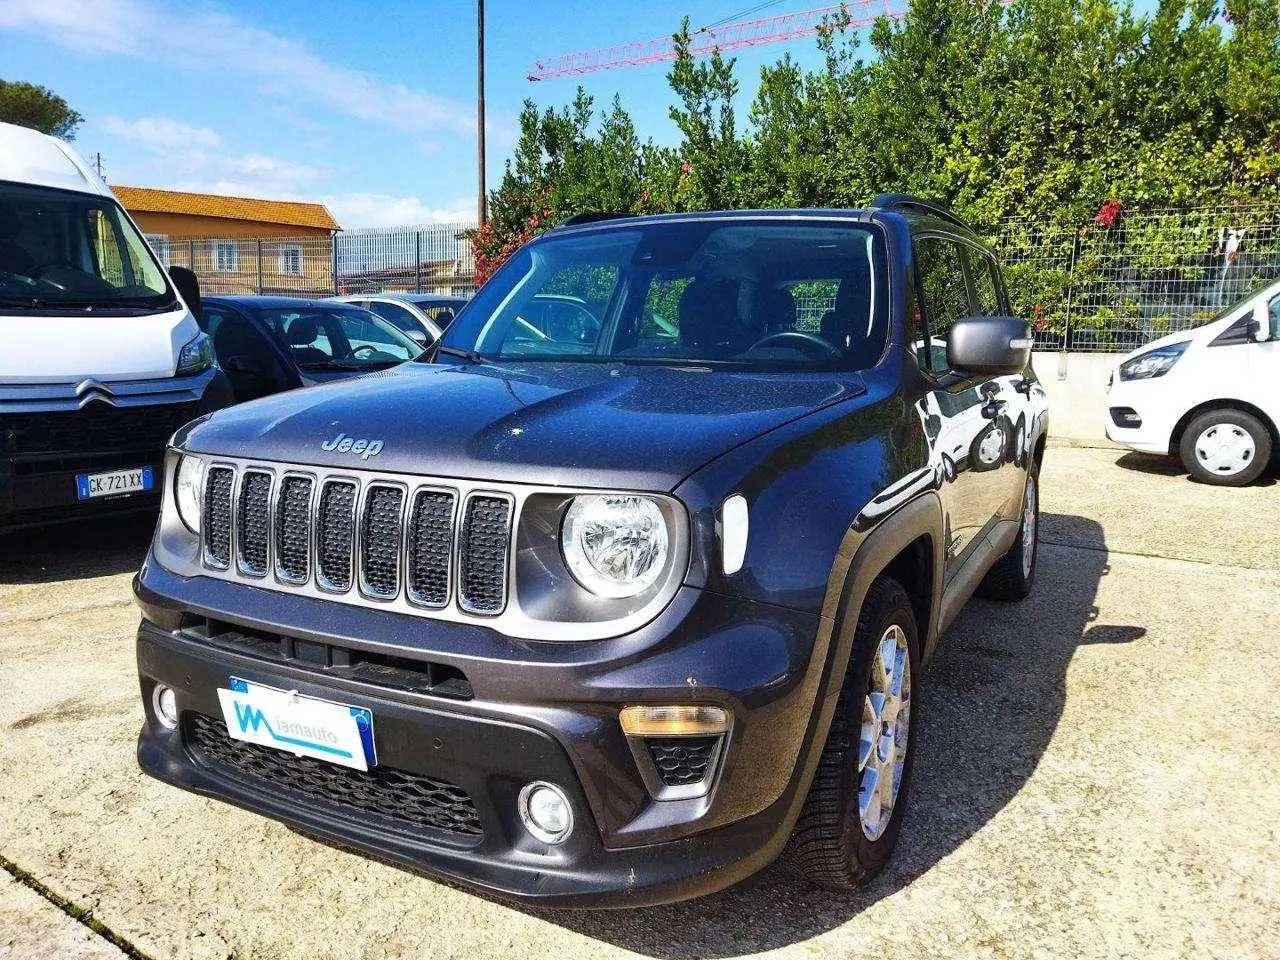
368,108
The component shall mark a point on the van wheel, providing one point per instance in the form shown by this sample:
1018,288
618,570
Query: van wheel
853,812
1014,574
1226,447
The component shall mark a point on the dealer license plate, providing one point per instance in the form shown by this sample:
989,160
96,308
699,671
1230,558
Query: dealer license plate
303,726
92,485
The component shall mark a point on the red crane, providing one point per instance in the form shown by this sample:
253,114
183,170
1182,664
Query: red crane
728,36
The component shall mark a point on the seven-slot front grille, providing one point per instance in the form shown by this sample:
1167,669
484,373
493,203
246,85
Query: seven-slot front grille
359,538
486,530
253,522
293,529
380,542
335,534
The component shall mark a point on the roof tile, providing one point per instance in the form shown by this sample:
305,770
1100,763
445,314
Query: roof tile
287,212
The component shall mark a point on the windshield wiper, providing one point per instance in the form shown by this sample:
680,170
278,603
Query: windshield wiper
470,355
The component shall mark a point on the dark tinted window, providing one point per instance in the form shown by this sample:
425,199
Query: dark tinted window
397,315
944,295
342,339
1273,312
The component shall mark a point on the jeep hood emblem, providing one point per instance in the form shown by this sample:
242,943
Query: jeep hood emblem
362,446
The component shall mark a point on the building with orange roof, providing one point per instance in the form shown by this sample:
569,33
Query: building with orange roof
238,244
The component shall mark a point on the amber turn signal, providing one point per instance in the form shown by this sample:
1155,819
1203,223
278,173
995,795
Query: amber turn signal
683,720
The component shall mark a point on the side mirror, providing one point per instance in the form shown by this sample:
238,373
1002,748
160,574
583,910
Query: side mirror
1256,332
419,337
989,346
189,289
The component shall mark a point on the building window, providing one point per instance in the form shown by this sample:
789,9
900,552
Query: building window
289,259
226,256
159,243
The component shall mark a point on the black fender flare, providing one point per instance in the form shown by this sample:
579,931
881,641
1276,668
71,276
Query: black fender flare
863,555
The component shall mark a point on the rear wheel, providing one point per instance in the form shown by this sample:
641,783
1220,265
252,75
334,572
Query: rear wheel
1014,574
853,812
1226,447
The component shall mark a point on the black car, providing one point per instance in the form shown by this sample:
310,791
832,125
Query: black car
609,617
270,344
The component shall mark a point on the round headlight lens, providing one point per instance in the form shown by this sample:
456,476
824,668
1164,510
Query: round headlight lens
615,546
187,488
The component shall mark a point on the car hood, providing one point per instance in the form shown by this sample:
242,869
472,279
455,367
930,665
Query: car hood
583,424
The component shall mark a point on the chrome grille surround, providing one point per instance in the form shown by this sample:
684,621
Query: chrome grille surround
362,542
430,571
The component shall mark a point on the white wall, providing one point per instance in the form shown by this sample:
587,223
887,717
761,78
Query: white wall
1078,401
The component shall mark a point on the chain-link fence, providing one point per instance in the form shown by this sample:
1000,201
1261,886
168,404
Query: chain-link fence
1108,286
436,258
1113,286
427,259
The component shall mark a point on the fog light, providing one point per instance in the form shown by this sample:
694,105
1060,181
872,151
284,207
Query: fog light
545,812
165,703
677,720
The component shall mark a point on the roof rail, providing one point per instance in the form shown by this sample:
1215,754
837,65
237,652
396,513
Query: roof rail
888,201
580,218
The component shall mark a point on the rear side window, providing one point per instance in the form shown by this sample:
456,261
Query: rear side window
943,295
1273,312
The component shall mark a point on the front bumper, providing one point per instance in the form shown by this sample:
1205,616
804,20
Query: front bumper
536,712
1147,401
44,447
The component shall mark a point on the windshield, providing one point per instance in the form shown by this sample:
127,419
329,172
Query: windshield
332,338
63,251
771,295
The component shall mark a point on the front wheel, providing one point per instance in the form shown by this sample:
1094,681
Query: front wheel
853,812
1228,448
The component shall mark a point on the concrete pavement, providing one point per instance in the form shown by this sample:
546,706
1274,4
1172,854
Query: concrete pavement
1098,773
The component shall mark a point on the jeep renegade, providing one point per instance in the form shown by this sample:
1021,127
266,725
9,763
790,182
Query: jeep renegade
625,590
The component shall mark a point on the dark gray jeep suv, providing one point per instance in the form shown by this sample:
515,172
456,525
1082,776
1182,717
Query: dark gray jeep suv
610,608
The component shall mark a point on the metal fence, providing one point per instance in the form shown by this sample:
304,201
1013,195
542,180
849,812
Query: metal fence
433,258
1101,287
1111,287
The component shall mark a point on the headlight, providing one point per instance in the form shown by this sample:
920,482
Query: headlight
1155,363
614,545
188,488
196,356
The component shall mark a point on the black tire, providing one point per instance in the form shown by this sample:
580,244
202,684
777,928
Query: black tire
1226,419
829,847
1012,578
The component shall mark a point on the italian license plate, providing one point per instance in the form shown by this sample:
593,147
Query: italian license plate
303,726
92,485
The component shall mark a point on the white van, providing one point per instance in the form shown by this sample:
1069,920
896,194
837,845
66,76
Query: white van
100,358
1210,395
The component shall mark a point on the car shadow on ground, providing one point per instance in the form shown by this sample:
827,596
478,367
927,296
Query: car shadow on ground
1158,466
993,696
75,551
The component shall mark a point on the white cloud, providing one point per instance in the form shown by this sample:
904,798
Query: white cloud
385,210
213,39
161,132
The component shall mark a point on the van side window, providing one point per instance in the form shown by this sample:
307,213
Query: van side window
1273,312
942,291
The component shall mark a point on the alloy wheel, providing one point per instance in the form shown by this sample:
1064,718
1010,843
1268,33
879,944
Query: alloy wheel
886,724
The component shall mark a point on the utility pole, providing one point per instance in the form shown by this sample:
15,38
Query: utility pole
480,199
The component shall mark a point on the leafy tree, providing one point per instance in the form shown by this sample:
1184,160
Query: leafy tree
1035,112
33,106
